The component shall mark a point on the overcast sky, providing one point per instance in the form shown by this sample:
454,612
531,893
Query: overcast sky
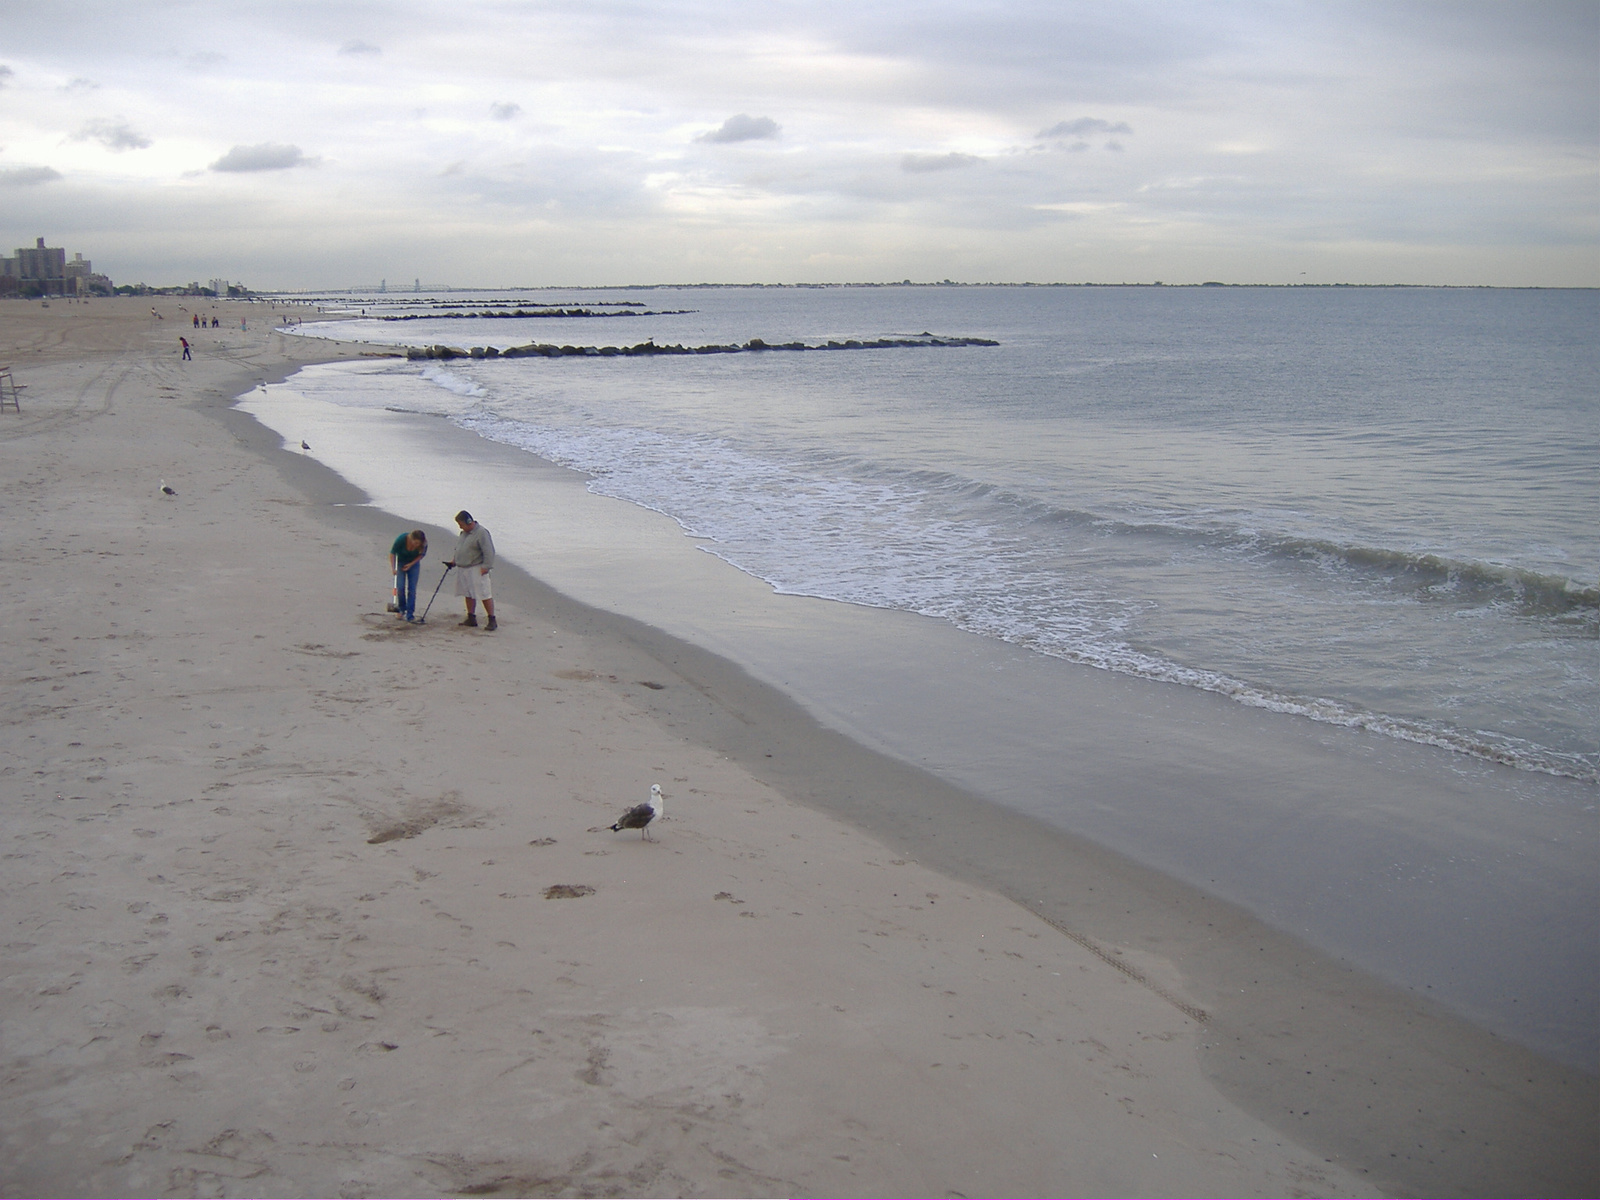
334,143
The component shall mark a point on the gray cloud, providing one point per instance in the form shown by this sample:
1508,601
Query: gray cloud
113,135
504,112
1288,103
743,128
919,163
268,156
357,46
556,181
80,84
5,74
1083,127
27,176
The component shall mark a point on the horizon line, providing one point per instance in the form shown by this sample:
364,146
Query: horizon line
379,290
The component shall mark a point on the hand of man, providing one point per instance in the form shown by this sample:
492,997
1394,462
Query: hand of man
449,564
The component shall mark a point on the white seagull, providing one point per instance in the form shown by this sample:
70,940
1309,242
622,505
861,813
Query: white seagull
165,490
640,815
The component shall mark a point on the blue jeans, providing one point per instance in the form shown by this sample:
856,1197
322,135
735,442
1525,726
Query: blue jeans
407,580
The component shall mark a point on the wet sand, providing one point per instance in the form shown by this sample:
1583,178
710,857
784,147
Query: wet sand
300,900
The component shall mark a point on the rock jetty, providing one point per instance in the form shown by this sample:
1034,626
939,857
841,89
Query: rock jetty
753,346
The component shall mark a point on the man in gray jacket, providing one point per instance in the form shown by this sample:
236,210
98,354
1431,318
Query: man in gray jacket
473,560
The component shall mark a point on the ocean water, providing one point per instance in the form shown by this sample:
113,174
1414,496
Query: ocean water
1367,507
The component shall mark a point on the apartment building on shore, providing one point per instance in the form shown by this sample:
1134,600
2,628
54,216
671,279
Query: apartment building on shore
41,270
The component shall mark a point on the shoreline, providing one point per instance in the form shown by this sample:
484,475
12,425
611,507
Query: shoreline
715,724
1196,944
1450,878
1501,723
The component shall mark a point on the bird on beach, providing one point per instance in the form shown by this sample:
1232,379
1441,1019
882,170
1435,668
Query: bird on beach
165,490
640,815
304,445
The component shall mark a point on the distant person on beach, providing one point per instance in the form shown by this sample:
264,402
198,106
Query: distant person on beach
197,320
185,342
473,560
405,560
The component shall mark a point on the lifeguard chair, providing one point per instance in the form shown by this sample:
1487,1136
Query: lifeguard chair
10,391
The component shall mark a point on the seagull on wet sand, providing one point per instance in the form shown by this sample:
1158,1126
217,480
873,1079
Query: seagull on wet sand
640,815
304,445
165,490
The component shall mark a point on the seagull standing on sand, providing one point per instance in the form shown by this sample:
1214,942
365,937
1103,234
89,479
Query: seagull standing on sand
304,445
640,815
165,490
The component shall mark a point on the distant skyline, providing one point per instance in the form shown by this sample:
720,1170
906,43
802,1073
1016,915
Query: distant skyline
323,145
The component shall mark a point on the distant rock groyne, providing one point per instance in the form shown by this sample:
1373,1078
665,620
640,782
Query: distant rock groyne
754,345
519,313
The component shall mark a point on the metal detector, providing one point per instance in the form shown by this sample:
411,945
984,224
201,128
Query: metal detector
423,619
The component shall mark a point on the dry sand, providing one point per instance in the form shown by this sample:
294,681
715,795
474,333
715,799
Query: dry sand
301,901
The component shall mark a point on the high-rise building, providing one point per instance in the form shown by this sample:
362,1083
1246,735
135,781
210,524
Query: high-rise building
41,270
47,264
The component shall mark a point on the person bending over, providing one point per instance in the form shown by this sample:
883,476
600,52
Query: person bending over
405,560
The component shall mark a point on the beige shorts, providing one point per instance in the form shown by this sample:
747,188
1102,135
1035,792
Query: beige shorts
471,581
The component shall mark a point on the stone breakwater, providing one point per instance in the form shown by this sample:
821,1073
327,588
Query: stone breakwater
754,345
522,313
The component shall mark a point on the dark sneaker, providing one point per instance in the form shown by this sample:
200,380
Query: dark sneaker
471,621
493,624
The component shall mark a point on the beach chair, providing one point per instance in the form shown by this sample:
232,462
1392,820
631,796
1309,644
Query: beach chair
10,390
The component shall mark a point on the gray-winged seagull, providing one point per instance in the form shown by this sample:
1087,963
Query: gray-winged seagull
640,815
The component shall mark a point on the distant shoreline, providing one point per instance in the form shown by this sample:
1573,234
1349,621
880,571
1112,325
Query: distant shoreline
434,289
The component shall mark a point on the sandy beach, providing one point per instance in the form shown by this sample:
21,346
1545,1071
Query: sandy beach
300,900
